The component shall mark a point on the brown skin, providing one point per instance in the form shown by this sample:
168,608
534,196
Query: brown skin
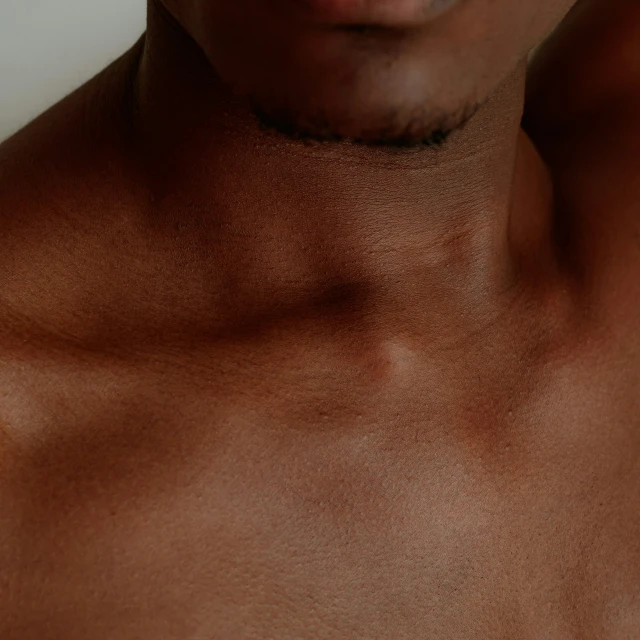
259,387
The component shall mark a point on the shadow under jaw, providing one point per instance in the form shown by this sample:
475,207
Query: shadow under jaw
398,132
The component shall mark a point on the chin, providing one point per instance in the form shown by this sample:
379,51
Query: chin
394,133
393,126
404,87
365,98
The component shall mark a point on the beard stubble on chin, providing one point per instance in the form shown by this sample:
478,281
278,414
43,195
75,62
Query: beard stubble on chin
410,130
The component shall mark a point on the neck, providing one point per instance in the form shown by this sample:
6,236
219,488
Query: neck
278,223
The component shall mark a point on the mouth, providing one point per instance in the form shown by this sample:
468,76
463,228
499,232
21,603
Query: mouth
364,29
368,16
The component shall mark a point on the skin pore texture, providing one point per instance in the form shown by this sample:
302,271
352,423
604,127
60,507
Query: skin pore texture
319,320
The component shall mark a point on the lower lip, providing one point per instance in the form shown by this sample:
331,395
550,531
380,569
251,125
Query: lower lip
376,12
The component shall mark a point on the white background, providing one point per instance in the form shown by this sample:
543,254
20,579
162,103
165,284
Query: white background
50,47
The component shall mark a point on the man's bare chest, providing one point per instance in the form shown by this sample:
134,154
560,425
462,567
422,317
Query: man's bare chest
507,519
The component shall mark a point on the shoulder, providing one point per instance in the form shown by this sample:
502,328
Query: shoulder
61,147
586,70
582,112
582,107
582,103
63,178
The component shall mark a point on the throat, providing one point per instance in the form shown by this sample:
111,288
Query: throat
249,226
276,235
